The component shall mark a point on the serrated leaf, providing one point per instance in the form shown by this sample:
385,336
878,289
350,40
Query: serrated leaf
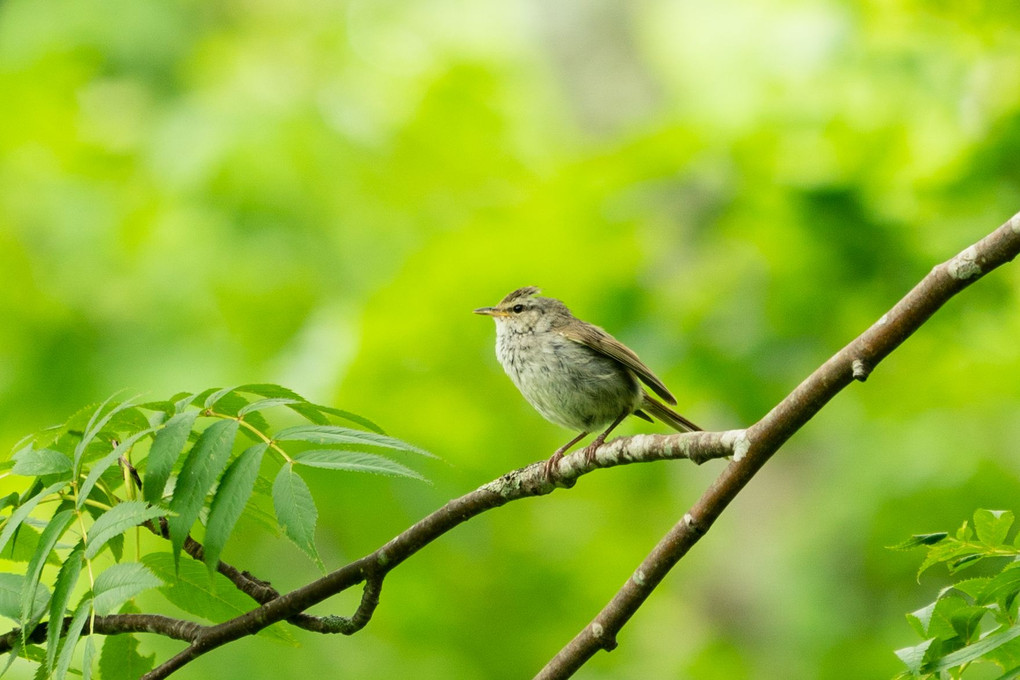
70,640
263,404
992,526
22,512
334,434
163,453
972,586
31,612
88,653
94,427
101,465
946,607
215,599
1003,586
202,466
920,619
965,621
298,404
117,520
945,551
350,417
119,583
918,540
216,395
355,461
964,562
38,462
63,587
295,510
11,588
989,642
913,657
231,496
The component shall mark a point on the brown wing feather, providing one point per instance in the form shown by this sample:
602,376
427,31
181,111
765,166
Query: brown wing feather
601,341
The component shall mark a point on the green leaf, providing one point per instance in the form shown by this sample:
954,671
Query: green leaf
78,621
991,641
36,462
973,586
215,396
101,465
87,655
295,510
992,526
351,417
920,620
166,447
355,461
333,434
202,466
1003,586
67,578
918,540
8,500
19,515
215,599
298,403
948,550
263,404
913,657
120,659
31,613
119,583
94,427
231,496
116,521
12,586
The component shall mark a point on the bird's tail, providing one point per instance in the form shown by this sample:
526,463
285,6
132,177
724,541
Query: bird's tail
667,415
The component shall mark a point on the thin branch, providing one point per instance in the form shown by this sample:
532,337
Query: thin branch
114,624
764,438
523,483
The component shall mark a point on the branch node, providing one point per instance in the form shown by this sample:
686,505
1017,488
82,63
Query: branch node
861,368
736,441
693,525
965,265
639,577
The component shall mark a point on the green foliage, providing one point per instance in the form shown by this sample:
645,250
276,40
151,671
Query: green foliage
974,620
70,468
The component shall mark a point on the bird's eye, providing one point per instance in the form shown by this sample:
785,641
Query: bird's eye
517,309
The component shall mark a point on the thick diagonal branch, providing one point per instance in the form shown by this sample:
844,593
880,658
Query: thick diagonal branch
764,438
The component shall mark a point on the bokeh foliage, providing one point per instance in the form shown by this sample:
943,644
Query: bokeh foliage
317,193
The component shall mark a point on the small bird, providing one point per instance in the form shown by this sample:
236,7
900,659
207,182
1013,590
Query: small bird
574,373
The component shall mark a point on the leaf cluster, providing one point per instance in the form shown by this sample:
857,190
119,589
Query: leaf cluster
169,467
973,620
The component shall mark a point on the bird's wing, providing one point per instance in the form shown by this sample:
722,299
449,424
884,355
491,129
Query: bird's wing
601,341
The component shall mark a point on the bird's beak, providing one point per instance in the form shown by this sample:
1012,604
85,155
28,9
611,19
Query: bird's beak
490,311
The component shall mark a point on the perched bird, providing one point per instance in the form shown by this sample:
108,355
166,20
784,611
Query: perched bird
574,373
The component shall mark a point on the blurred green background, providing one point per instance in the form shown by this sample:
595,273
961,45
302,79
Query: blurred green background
197,194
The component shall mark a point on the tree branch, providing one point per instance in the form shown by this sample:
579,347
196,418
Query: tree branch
764,438
113,624
522,483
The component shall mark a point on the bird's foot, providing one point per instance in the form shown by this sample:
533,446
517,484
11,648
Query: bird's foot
590,450
552,463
